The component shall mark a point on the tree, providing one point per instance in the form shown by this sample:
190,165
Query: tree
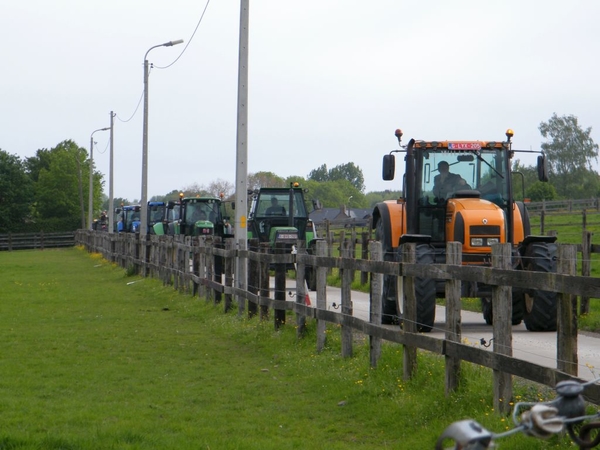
319,174
15,192
219,186
333,194
61,185
539,191
570,151
523,177
194,190
348,171
264,179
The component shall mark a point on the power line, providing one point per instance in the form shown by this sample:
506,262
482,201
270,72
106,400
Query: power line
136,108
189,41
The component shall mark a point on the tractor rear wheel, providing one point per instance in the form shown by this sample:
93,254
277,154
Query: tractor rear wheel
540,306
517,310
486,309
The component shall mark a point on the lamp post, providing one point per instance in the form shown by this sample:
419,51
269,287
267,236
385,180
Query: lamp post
144,200
91,193
111,200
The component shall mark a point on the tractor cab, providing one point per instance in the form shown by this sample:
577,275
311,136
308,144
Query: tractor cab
128,219
462,191
156,214
279,215
195,216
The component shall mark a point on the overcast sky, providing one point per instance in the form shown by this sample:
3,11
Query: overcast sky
329,80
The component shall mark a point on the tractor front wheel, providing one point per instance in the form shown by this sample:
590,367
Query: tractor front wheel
424,289
389,311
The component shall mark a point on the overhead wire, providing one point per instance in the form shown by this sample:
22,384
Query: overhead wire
189,41
167,66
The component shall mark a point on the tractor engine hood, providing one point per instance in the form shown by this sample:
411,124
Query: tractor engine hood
204,228
286,235
476,223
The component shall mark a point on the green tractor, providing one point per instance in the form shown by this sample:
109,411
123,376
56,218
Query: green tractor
280,216
195,216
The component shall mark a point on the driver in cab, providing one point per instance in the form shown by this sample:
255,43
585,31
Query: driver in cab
275,209
446,182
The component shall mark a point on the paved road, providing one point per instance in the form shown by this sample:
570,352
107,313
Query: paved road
539,348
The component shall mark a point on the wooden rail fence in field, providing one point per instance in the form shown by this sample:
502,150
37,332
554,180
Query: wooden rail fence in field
205,267
41,240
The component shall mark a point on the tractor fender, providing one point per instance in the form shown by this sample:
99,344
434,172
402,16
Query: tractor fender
393,222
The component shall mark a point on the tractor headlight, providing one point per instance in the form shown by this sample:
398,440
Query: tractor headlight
492,241
476,242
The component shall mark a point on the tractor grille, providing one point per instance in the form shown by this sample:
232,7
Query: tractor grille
484,230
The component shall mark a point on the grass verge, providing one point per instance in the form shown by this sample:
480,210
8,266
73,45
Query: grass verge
94,359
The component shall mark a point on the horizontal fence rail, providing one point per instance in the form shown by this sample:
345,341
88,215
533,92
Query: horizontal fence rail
564,205
41,240
205,267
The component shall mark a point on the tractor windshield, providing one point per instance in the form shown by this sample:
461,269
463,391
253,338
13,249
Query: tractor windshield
276,203
446,173
202,209
156,213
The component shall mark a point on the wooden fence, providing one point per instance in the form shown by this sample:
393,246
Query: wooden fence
205,267
564,205
41,240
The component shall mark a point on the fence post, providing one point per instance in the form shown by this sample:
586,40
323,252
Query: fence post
241,274
346,293
322,249
376,252
502,328
586,255
330,244
196,266
229,263
253,277
280,270
177,266
566,333
265,283
300,289
453,324
584,219
364,276
409,308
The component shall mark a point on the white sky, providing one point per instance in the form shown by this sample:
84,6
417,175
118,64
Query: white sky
329,80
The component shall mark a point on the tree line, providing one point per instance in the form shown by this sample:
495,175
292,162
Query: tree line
50,190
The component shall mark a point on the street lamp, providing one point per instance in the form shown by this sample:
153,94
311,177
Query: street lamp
144,200
91,193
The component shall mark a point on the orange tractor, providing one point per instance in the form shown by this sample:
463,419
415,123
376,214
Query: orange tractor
462,191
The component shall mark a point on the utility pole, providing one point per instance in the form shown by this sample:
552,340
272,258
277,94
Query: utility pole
91,191
241,173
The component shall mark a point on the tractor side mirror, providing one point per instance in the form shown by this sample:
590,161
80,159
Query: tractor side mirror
170,204
542,168
389,167
317,204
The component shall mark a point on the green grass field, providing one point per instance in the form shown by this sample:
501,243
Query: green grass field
93,359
